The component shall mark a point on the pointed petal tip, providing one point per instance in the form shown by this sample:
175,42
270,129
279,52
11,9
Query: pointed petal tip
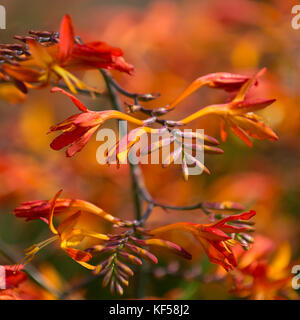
56,89
261,71
66,38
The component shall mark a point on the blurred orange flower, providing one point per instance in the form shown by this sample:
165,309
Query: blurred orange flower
262,279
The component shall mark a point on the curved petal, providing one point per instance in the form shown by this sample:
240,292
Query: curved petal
78,144
242,216
53,203
67,137
78,255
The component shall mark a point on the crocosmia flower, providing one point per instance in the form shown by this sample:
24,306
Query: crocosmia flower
238,115
79,128
215,238
68,235
54,61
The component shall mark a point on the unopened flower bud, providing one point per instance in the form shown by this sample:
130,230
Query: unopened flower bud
133,107
149,121
148,96
159,111
172,123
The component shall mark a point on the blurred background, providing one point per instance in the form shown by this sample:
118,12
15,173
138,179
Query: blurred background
170,43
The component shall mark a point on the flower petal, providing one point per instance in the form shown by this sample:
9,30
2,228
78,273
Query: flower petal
78,144
78,255
242,216
51,213
67,138
66,39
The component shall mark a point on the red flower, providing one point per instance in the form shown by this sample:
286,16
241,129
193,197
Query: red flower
14,276
95,54
37,209
98,55
214,237
79,128
48,63
40,209
77,131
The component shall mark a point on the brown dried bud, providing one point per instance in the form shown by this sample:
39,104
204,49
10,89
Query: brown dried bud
24,39
42,33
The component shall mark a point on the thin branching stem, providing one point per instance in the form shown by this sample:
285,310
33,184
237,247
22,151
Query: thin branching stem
146,214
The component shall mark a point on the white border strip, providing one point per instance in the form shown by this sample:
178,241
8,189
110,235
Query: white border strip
2,17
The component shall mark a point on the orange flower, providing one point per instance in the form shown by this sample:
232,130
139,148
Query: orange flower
79,128
69,236
238,115
214,237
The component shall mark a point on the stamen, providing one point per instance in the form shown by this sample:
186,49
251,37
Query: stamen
31,252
